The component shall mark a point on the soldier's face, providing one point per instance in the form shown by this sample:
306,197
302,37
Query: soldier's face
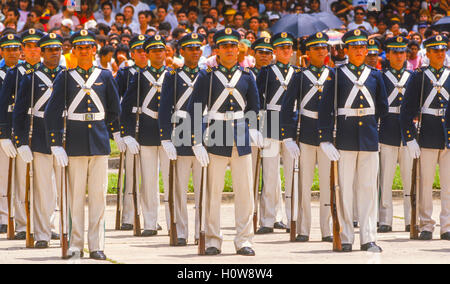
51,56
436,56
283,53
372,60
84,52
263,58
31,51
397,58
11,55
228,53
157,56
139,56
191,55
356,54
317,54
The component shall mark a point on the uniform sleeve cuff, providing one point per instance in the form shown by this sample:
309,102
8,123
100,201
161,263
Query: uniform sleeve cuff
54,138
324,135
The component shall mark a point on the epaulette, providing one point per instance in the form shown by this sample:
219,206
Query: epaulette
172,72
246,70
29,71
208,70
298,70
420,69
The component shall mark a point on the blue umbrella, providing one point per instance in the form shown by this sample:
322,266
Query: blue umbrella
306,24
443,24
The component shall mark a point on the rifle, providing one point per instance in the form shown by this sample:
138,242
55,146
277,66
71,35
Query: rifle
295,176
119,189
29,240
137,220
64,212
10,195
415,176
172,170
334,181
202,237
258,165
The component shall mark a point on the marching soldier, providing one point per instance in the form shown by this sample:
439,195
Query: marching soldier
8,97
306,90
272,82
231,96
373,48
396,78
34,91
263,53
173,107
123,79
10,46
88,96
361,99
146,85
427,95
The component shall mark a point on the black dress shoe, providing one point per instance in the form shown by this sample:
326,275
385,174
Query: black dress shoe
355,224
76,253
346,247
149,233
158,227
384,229
279,225
55,236
445,236
247,251
3,229
20,236
181,242
41,244
98,255
212,251
408,228
301,238
126,227
328,239
264,230
371,247
425,236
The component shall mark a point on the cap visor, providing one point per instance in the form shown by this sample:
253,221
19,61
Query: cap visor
52,45
358,43
264,49
84,43
319,45
398,49
11,45
438,47
158,46
192,45
228,42
373,52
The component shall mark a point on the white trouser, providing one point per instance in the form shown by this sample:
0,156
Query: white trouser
4,168
389,156
309,157
429,158
241,171
128,205
271,191
184,166
88,173
150,158
46,188
19,194
364,167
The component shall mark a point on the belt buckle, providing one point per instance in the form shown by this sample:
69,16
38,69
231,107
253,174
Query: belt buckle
88,117
229,115
361,112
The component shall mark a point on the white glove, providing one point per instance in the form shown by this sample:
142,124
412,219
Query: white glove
8,148
292,148
413,149
170,149
25,153
119,141
257,137
331,151
132,144
61,156
201,154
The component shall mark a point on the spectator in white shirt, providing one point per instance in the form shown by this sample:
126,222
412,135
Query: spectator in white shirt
360,14
137,7
67,13
107,17
128,12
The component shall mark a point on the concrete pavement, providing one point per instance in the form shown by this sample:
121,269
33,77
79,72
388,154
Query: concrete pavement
122,247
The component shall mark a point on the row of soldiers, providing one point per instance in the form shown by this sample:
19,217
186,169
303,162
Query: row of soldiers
365,119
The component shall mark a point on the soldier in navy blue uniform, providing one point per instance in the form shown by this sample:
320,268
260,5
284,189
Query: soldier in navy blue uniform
34,91
176,142
447,125
272,82
88,96
307,89
229,97
392,150
123,79
10,45
427,96
148,83
8,96
361,100
263,53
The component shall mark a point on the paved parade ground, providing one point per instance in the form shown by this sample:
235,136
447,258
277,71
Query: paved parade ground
122,247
